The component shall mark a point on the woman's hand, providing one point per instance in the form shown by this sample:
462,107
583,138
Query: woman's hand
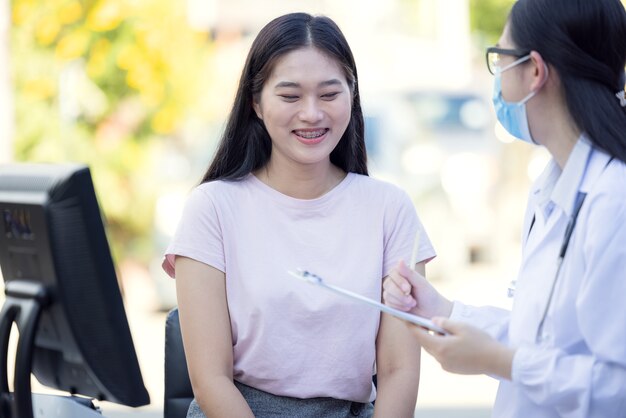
466,349
407,290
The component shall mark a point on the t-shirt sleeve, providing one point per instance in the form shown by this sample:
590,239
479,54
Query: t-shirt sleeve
402,225
199,233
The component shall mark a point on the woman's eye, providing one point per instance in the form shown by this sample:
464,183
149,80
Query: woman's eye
289,98
330,96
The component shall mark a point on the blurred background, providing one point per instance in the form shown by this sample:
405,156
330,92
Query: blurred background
139,90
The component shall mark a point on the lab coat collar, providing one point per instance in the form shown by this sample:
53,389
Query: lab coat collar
544,185
568,185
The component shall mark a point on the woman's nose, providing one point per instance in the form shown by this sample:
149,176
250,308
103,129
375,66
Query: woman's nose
310,111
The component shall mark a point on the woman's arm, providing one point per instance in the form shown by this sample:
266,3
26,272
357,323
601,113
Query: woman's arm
207,338
397,367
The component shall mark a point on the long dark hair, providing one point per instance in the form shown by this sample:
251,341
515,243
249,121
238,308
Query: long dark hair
245,145
585,41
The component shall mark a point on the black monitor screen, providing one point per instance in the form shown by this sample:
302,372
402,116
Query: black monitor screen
52,233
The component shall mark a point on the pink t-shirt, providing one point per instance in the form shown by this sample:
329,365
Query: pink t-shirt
291,338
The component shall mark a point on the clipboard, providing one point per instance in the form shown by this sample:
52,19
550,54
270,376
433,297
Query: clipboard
314,279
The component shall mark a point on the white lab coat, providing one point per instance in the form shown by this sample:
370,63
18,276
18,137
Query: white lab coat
577,366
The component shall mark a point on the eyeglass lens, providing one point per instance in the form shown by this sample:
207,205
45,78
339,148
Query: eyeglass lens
493,61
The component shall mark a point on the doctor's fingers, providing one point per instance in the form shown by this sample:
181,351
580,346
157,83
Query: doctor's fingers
432,343
448,350
465,349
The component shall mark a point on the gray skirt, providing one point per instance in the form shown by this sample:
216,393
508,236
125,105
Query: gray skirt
266,405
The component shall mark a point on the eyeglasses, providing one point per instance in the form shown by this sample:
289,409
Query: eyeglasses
493,57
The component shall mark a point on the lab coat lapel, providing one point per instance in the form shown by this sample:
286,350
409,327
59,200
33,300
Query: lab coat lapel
538,235
540,259
536,278
557,190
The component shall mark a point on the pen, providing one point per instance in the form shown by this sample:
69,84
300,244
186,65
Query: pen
416,248
413,261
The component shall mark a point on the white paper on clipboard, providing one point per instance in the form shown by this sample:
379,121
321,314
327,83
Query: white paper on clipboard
312,278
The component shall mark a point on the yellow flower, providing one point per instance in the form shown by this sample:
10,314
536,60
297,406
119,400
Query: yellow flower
164,120
97,58
128,57
22,10
106,15
139,75
152,94
38,89
101,47
70,12
47,30
72,45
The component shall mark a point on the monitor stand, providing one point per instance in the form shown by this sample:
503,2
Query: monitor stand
22,306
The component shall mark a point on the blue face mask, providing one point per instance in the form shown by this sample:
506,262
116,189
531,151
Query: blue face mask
512,115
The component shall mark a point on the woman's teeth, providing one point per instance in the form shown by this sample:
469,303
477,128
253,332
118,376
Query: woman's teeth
311,134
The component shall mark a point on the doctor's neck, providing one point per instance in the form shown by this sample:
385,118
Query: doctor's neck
555,129
561,146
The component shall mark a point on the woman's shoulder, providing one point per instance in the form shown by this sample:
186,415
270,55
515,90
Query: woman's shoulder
217,193
612,179
214,187
609,189
379,186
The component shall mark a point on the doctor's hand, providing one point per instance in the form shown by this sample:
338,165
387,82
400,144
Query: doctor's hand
407,290
466,349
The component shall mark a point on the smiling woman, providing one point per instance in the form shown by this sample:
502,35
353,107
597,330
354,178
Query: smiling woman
305,106
246,144
288,188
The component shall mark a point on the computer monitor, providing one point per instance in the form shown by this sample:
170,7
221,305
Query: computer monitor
54,253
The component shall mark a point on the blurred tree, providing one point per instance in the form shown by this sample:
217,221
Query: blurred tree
487,18
106,82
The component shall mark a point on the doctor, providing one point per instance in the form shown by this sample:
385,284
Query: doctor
561,352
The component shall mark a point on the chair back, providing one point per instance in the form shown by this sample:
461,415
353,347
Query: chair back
178,393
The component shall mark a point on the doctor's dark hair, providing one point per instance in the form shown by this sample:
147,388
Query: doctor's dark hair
245,145
585,41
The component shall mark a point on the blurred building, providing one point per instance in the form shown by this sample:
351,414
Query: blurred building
397,44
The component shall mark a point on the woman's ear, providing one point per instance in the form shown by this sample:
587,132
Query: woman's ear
540,71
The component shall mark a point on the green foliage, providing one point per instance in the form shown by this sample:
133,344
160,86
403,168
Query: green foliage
105,82
487,18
